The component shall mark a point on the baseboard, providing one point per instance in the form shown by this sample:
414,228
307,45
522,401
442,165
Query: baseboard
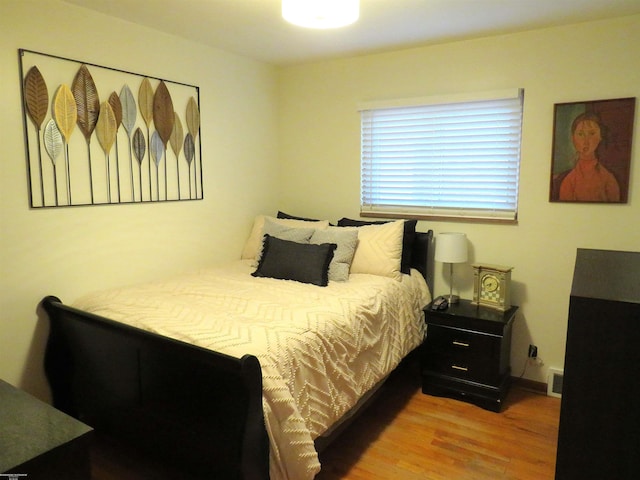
538,387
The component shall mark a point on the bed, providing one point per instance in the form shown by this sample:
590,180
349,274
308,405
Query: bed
231,372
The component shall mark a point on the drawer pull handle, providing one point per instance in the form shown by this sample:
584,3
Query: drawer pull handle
460,344
456,367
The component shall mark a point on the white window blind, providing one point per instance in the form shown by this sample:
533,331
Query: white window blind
451,158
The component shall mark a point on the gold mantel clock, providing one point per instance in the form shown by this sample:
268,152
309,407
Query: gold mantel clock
492,286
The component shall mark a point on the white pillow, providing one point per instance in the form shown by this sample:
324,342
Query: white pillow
254,243
346,241
379,250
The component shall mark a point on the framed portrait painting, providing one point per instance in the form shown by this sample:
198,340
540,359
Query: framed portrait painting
591,156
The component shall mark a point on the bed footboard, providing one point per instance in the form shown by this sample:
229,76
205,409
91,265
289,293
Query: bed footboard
200,409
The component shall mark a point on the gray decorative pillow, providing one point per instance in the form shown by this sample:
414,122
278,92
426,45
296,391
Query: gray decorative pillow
283,232
346,241
302,262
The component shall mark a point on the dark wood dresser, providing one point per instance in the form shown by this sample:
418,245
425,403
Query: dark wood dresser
466,353
38,442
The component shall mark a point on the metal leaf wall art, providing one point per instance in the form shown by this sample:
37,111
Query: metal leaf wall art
129,113
175,140
163,118
52,140
116,107
125,165
106,127
139,150
193,125
36,99
53,144
65,115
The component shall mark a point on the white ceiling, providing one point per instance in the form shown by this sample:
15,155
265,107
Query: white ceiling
255,28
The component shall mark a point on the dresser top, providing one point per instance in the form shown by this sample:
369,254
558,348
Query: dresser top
607,275
30,427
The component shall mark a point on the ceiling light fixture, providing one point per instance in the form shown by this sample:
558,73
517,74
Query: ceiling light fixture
321,13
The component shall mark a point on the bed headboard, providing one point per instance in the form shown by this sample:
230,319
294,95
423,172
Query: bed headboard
421,256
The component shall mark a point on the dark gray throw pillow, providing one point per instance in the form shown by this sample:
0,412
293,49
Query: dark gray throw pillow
302,262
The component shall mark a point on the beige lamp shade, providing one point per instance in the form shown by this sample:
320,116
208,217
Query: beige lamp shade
451,247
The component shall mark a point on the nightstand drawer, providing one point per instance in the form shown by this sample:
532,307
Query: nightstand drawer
460,353
480,372
461,342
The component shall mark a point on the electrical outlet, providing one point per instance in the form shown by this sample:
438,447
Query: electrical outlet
534,359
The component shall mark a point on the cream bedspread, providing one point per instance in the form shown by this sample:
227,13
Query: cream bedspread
320,348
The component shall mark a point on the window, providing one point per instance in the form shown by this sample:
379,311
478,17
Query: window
446,157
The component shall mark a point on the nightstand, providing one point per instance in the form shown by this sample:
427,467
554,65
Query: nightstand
466,353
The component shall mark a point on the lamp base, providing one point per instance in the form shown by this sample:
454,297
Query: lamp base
453,299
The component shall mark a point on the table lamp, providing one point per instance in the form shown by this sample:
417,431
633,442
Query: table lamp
451,248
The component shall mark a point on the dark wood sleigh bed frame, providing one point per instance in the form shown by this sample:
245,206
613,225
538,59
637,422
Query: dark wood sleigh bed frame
198,409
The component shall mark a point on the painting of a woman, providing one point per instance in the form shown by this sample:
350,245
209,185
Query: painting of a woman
589,180
591,158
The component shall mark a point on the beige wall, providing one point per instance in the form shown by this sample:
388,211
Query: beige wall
68,251
319,138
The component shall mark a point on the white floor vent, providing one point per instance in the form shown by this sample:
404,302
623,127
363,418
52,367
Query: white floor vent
554,382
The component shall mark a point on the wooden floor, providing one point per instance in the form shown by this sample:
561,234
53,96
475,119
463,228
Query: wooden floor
407,435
